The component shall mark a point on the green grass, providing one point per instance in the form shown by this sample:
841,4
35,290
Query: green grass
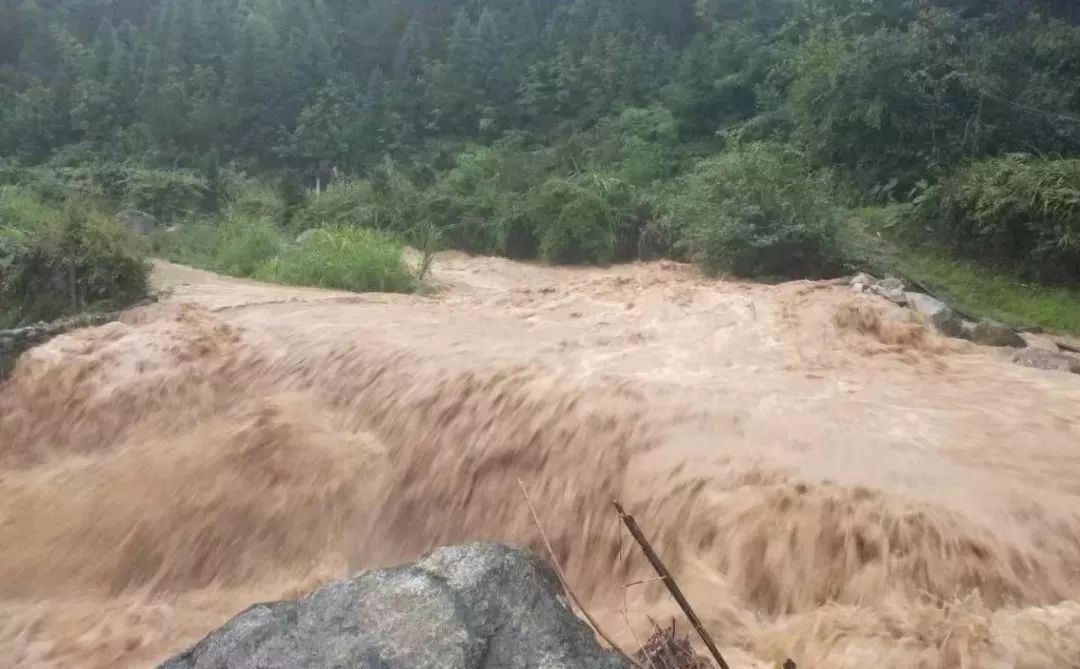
980,291
245,245
344,258
971,288
353,259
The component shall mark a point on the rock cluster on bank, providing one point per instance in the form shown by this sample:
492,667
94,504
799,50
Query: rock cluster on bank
482,606
1034,350
14,342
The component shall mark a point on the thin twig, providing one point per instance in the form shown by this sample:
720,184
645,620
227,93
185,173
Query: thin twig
566,584
672,586
643,581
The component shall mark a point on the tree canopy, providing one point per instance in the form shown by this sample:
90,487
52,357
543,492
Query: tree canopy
888,90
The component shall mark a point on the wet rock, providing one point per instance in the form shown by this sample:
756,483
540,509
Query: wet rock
890,288
137,221
481,606
14,342
1034,340
895,295
862,282
936,313
992,333
1043,359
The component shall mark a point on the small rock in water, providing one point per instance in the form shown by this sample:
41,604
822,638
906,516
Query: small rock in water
1043,359
992,333
936,313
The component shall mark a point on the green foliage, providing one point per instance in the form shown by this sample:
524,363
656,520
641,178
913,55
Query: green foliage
245,244
528,129
426,238
165,194
193,243
999,295
1019,211
572,223
59,262
256,198
900,101
758,211
345,258
343,203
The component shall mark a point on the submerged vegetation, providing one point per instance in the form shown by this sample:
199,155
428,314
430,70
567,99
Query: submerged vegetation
739,135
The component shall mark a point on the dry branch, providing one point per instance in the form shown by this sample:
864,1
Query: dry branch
672,586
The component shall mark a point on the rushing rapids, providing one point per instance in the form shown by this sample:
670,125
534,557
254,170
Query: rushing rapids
828,481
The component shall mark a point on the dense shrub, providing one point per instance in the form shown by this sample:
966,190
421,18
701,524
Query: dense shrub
757,211
345,202
1019,211
54,263
638,144
573,224
166,194
244,244
255,198
467,201
897,103
345,258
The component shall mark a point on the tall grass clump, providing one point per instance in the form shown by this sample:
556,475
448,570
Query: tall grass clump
758,211
345,258
244,244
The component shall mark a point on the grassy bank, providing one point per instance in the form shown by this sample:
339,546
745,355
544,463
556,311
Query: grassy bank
976,290
355,259
875,241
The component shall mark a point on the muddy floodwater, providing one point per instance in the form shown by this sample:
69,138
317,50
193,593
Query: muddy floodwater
827,480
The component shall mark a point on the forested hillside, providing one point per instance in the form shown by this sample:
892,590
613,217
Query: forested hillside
736,133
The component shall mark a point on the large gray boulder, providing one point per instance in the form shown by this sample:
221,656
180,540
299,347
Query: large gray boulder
471,607
936,313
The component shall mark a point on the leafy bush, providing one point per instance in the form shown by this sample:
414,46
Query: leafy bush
255,198
345,202
166,194
758,211
345,258
244,244
1020,211
63,262
573,224
516,233
466,200
22,208
637,144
